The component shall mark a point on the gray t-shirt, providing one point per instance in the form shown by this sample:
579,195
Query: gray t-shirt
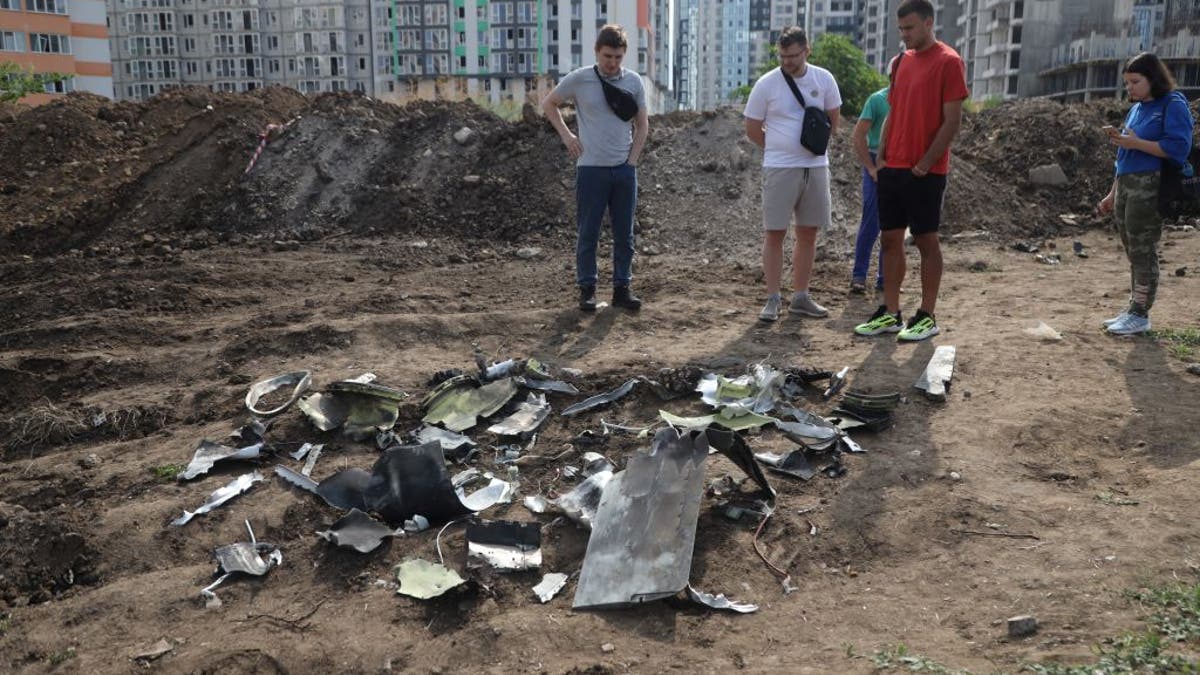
606,139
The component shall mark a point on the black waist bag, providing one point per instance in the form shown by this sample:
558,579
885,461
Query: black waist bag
814,133
623,103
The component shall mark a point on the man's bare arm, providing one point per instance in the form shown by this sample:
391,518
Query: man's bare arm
552,113
859,136
835,116
756,133
951,121
641,131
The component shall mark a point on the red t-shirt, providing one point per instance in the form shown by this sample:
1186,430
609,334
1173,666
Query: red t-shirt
925,80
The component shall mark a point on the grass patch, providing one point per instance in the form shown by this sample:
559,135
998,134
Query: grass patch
1115,500
1131,653
47,425
897,657
61,656
1175,610
1173,613
1183,343
6,623
167,472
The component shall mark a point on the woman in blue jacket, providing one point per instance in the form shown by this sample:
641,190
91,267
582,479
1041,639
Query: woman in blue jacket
1157,129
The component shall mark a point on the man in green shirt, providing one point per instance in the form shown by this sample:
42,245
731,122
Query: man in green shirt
866,143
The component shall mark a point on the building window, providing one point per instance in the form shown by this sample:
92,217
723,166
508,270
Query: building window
48,43
47,6
12,42
14,5
62,87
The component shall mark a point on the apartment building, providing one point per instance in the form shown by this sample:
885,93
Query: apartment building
1069,49
830,16
880,36
1090,66
59,36
240,45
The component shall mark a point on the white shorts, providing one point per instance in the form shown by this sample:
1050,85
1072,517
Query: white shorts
799,192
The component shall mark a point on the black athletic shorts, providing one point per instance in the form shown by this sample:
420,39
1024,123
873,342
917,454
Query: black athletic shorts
909,201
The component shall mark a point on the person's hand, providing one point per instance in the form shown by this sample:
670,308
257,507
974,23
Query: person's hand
1106,205
873,172
574,147
920,170
1128,140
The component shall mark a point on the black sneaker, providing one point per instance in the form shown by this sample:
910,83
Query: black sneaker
624,298
587,298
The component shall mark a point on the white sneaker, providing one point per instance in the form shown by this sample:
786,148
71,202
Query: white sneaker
770,311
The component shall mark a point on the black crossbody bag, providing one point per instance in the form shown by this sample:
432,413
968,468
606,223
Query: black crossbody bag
623,103
815,132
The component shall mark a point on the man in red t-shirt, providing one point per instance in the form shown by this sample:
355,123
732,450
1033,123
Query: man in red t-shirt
926,97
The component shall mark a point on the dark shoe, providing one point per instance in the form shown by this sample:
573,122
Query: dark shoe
623,298
587,298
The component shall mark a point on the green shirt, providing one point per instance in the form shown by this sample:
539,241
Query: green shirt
875,110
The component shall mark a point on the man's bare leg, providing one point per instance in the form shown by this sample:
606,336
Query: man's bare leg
892,242
931,269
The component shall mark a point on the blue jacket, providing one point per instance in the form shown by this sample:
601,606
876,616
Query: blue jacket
1173,133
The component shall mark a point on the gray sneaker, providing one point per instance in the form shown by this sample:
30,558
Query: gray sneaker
770,311
804,305
1116,319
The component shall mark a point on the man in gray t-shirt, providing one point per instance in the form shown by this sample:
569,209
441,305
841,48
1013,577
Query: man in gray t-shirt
610,141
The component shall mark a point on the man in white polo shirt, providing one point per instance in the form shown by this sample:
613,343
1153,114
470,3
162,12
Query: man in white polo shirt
795,180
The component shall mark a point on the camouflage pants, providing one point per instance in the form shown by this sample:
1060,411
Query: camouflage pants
1140,227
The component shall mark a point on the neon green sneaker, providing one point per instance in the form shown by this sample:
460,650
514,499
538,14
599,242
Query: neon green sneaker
920,327
881,321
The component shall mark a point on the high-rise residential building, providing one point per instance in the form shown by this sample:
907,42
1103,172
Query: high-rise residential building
239,45
58,36
507,50
492,50
830,16
687,54
1070,49
880,36
721,56
661,54
1088,64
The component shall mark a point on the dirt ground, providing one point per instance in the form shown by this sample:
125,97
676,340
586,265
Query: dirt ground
147,283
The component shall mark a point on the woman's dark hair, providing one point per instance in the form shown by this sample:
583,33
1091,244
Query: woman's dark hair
1153,69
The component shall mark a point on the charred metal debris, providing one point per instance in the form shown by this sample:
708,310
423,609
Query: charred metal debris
641,518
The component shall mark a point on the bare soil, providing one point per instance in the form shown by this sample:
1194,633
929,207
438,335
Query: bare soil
146,283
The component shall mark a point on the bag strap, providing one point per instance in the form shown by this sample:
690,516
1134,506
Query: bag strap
795,90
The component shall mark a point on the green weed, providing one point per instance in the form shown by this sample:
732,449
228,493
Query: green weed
1114,500
1183,343
897,657
167,472
61,656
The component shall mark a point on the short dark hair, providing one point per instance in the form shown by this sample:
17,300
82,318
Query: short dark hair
1152,68
923,9
611,35
793,36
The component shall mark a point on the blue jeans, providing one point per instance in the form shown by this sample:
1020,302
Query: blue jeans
868,232
599,189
